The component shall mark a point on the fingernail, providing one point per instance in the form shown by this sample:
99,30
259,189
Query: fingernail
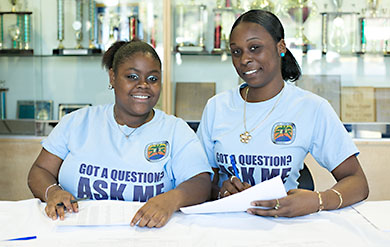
253,204
249,212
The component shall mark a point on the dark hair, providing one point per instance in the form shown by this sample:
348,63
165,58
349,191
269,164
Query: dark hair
290,67
120,51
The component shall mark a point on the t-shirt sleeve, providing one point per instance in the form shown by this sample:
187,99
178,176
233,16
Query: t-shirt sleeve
58,139
331,144
188,157
205,135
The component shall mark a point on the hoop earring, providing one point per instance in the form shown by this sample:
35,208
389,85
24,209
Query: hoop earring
282,54
110,87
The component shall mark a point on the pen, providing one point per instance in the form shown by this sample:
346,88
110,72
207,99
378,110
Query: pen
73,201
22,238
232,160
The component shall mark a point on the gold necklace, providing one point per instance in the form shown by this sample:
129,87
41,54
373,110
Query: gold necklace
246,137
117,124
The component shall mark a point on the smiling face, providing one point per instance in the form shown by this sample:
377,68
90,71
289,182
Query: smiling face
137,85
255,54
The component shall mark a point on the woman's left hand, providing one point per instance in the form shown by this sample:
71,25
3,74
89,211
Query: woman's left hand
156,212
298,202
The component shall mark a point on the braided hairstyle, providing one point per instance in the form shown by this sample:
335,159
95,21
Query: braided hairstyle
121,51
290,67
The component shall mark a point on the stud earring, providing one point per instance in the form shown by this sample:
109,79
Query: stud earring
110,87
282,54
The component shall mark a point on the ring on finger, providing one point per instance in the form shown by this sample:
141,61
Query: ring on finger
277,206
231,179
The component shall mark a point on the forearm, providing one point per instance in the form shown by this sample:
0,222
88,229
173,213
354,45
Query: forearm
193,191
352,189
39,180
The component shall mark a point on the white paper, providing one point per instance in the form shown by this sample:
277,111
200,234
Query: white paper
239,202
377,213
101,213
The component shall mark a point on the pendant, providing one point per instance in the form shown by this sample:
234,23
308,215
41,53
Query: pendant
245,137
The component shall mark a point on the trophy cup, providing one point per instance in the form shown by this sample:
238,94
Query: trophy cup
338,37
373,7
13,3
300,11
224,16
20,33
114,22
190,21
77,26
263,4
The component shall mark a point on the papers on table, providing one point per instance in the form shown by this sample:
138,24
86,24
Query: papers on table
377,213
267,190
101,213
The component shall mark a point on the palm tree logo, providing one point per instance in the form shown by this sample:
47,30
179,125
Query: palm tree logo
156,151
283,133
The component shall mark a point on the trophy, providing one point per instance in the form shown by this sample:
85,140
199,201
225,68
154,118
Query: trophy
190,23
373,7
224,16
77,26
13,3
300,11
114,22
338,37
19,33
263,4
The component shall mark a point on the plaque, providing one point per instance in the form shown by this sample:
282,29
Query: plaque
191,98
3,100
64,109
382,96
358,104
35,109
326,86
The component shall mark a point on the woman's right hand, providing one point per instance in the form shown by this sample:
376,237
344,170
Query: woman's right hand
231,186
57,195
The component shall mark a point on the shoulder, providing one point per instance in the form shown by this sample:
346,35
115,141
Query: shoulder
225,98
86,114
167,119
298,94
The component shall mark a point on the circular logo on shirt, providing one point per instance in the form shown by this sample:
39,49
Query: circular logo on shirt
283,133
156,151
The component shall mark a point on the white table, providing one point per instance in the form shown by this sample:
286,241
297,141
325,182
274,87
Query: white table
344,227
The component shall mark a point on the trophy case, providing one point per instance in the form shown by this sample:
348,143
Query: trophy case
51,54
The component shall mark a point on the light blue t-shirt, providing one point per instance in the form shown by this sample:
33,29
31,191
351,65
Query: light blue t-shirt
301,122
101,163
